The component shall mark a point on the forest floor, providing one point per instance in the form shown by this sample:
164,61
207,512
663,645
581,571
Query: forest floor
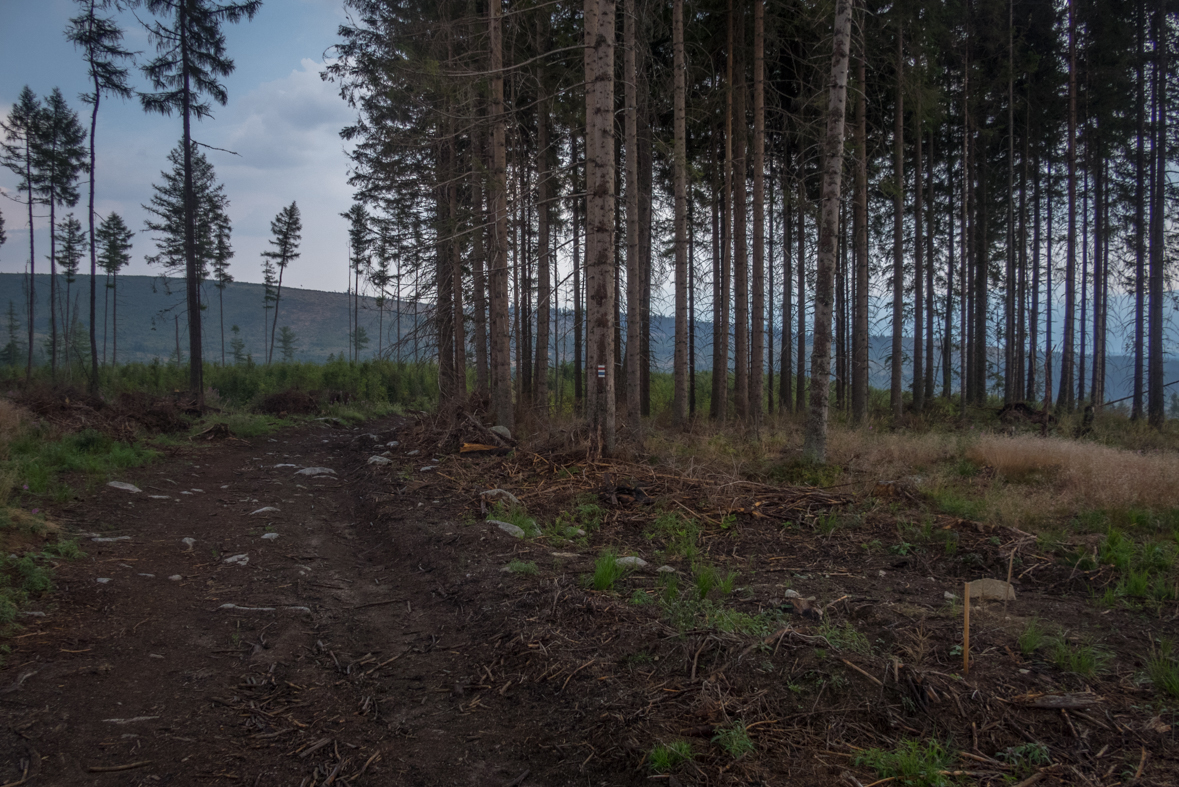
367,625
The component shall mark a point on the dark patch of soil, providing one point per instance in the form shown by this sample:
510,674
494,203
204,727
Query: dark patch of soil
377,640
289,402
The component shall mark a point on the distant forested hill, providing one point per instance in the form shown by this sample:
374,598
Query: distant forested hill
149,305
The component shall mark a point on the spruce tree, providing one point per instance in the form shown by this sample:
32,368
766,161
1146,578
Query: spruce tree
58,162
71,246
222,254
100,39
287,228
167,205
190,60
287,344
114,253
21,130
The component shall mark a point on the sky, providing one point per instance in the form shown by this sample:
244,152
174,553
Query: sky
281,119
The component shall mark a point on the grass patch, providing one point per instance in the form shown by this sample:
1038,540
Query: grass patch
523,568
1084,659
1163,668
845,637
679,534
1026,757
734,739
1032,637
666,757
517,515
802,473
911,763
607,572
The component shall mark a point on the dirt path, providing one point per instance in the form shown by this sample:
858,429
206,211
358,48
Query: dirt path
349,649
357,627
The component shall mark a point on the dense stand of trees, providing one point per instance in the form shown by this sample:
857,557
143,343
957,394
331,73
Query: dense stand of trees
500,142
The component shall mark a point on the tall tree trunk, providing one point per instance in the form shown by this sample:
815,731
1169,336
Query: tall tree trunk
716,408
800,336
1034,320
1140,228
93,240
930,225
951,263
1009,334
578,314
895,397
740,245
443,273
1155,412
758,340
815,439
918,268
634,283
479,279
860,328
599,80
192,280
680,404
544,262
1065,399
501,369
1097,394
786,384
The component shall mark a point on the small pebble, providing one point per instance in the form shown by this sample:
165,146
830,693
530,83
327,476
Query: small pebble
175,577
103,580
269,536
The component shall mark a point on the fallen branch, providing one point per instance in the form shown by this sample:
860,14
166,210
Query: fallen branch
115,768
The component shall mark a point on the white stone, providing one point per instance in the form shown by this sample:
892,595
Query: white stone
948,596
379,460
566,555
269,536
665,570
123,486
392,444
189,542
502,431
314,471
265,510
791,594
631,562
237,560
103,580
507,527
428,468
175,578
414,452
110,540
159,497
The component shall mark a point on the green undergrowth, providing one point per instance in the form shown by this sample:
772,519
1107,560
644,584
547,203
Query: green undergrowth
26,578
912,763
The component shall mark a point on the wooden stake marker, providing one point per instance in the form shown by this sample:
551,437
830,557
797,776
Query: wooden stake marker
966,631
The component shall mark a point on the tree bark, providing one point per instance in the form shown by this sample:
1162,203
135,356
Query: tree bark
681,394
599,80
501,371
544,277
758,340
815,440
860,326
1065,399
1155,406
634,282
896,397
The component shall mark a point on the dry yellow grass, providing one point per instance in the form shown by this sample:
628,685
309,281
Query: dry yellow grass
1095,475
888,456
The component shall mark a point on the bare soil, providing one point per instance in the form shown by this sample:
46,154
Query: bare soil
378,640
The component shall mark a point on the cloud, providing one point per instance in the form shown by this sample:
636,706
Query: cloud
288,122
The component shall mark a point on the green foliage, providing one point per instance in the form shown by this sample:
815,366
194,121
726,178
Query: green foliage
1163,668
1026,757
1033,637
955,503
912,763
680,535
523,568
665,758
517,515
606,570
845,637
734,739
1084,659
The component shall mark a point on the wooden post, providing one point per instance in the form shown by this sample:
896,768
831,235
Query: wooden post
966,631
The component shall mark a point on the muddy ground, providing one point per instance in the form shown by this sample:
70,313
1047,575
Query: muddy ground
363,631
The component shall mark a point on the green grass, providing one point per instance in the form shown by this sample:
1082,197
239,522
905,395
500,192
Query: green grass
1163,668
523,568
734,739
517,515
1032,637
1026,757
845,637
666,757
912,763
1084,659
679,534
606,570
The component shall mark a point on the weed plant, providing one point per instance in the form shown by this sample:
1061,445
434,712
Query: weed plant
666,757
515,514
607,571
912,763
1084,659
1032,637
1026,757
734,739
845,637
524,569
1163,668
